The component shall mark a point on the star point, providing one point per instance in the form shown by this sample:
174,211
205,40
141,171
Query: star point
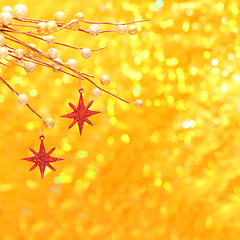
42,159
80,113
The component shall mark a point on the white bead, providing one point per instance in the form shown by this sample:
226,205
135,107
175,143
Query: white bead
94,30
29,67
52,53
59,16
7,9
121,28
104,80
19,53
86,53
49,39
72,63
96,92
20,11
22,99
6,18
52,26
138,103
42,27
2,40
56,65
132,29
3,52
49,123
79,16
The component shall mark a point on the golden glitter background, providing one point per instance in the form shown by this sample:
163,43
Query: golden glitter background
168,171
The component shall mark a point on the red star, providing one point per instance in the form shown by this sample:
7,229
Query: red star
41,158
80,113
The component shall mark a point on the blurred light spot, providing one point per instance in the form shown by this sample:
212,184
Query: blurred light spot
30,126
125,138
67,147
224,88
158,182
82,154
113,120
215,62
31,184
100,157
137,91
33,93
146,170
110,141
58,81
167,186
159,3
1,98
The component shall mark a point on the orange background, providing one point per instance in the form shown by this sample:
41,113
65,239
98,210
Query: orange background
168,171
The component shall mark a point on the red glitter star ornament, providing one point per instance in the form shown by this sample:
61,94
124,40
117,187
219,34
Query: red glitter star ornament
80,113
41,158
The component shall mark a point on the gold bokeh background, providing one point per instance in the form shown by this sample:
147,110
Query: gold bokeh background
168,171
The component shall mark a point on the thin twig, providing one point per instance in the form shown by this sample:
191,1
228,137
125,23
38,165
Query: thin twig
15,92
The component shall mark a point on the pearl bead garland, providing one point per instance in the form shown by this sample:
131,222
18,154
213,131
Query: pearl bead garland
7,9
49,39
22,99
19,53
49,123
86,53
96,92
132,29
56,66
2,40
121,28
72,63
52,53
79,16
76,25
29,67
51,26
94,30
59,16
42,27
5,18
20,11
138,103
3,52
104,80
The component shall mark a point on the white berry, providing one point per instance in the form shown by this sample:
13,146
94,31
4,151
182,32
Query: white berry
20,11
19,53
29,67
22,99
86,53
56,64
3,52
49,123
7,9
52,53
121,28
6,18
94,30
72,63
104,80
49,39
96,92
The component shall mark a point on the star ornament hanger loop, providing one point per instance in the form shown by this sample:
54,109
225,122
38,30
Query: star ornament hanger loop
42,159
80,113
